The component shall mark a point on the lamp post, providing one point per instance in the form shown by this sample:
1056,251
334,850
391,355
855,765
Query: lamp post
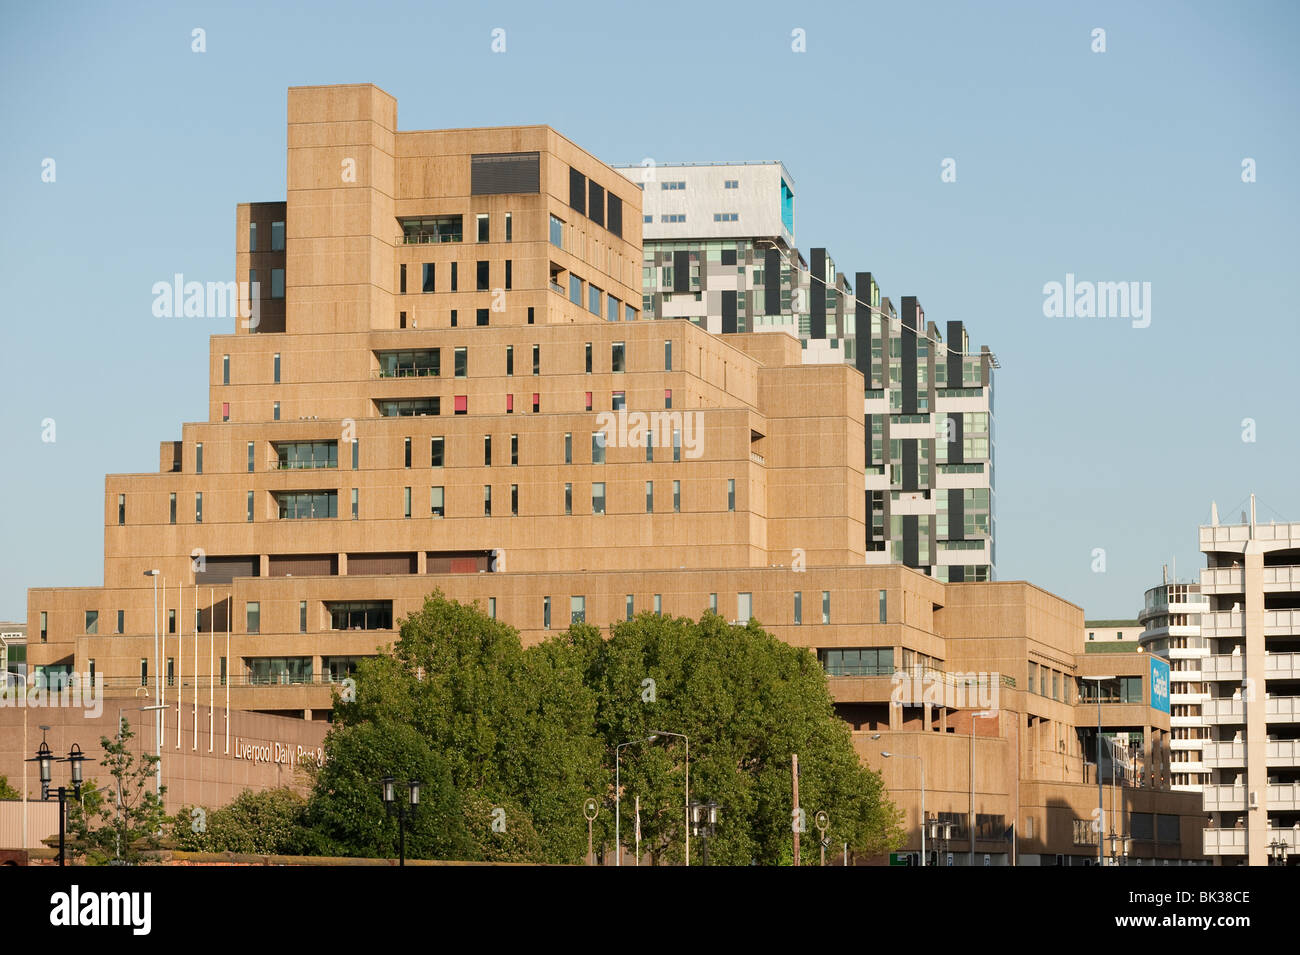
120,711
590,809
388,787
704,821
618,846
1101,810
45,759
157,678
822,821
688,786
922,762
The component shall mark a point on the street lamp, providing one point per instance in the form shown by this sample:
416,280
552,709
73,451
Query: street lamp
704,822
157,678
1101,811
922,762
688,786
45,759
618,846
388,789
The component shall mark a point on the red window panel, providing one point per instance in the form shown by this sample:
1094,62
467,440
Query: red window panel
589,401
537,402
462,404
668,397
510,404
225,411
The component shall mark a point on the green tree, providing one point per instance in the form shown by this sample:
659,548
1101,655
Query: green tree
518,724
502,830
7,791
748,701
120,823
346,808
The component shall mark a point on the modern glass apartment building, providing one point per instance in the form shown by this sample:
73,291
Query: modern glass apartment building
719,251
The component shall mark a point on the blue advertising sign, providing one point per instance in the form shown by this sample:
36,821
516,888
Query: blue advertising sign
1159,684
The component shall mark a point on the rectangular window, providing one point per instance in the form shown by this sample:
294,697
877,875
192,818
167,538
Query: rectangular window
514,450
514,500
276,369
225,411
356,453
302,616
250,457
144,671
568,447
436,451
884,615
45,630
462,363
253,617
588,357
744,607
629,313
598,447
306,505
482,280
731,493
92,621
668,397
677,445
611,308
401,281
492,601
171,506
482,220
598,497
487,500
248,509
198,458
546,612
453,318
171,671
277,283
461,404
436,502
277,236
510,360
530,314
223,671
618,400
252,237
406,452
509,275
537,359
575,289
593,300
225,369
668,355
406,502
627,607
557,232
617,357
401,319
171,621
509,228
121,621
649,448
354,504
487,450
798,607
826,606
198,507
481,318
427,282
455,276
677,497
589,401
577,609
649,497
275,411
121,509
659,604
568,499
537,402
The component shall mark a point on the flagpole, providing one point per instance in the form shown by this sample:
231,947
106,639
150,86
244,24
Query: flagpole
230,605
180,658
198,621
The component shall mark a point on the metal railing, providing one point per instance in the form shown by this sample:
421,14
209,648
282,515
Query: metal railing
429,238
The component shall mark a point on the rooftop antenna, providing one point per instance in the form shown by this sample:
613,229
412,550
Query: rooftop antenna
1252,515
1214,514
1165,572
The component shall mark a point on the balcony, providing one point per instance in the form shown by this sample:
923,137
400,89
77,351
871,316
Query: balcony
1222,580
1222,667
1281,623
1216,712
1282,753
1223,624
1282,666
1282,709
1225,842
1194,648
1223,755
1282,797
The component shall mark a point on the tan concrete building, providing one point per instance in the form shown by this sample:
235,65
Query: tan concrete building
445,384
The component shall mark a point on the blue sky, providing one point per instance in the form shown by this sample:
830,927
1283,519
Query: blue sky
1115,166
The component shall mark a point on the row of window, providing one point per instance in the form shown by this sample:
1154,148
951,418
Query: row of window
277,237
225,369
427,363
482,277
277,283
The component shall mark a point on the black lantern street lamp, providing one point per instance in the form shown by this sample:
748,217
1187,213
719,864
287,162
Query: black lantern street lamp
704,822
1277,850
405,810
45,760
